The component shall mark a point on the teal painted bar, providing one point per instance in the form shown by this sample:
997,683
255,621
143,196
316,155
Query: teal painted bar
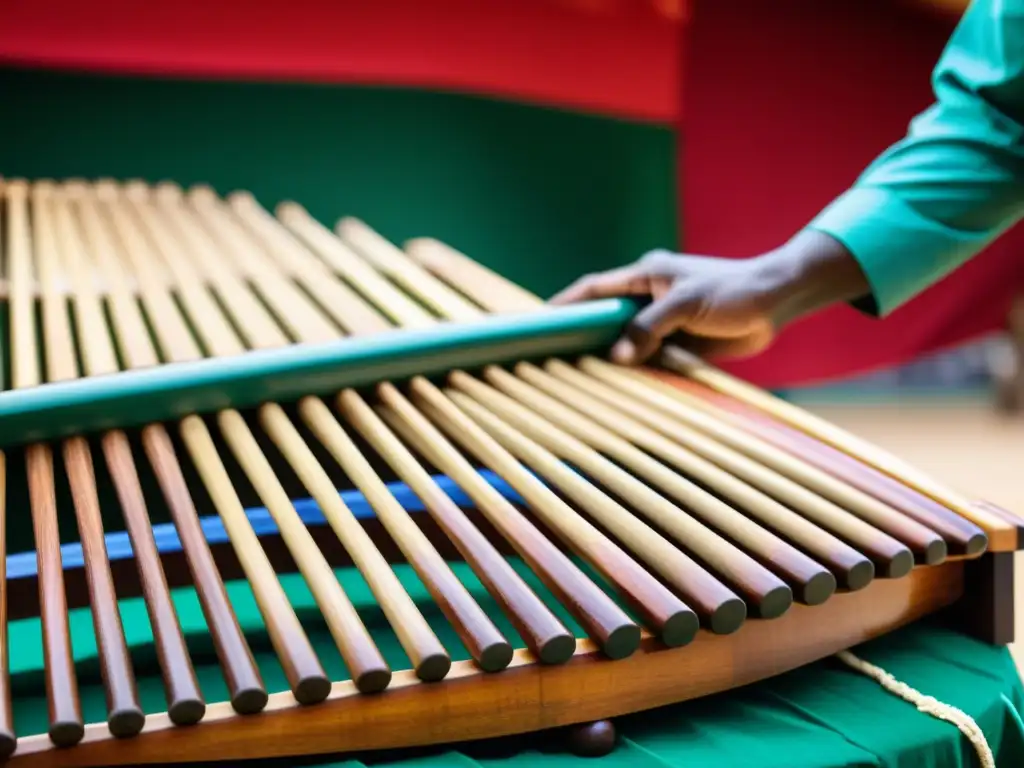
134,398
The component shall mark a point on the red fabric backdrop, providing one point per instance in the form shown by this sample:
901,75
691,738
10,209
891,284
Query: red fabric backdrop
786,102
779,105
613,56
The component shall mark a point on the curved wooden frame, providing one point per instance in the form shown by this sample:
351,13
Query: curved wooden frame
470,704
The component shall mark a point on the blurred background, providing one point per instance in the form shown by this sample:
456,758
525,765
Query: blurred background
548,138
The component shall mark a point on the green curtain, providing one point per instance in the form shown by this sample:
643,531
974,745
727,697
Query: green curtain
541,195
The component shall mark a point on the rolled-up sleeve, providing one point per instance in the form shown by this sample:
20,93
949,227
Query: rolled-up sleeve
956,181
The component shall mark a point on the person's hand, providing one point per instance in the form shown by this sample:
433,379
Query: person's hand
717,307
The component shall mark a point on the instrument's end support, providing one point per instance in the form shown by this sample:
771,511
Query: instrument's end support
986,610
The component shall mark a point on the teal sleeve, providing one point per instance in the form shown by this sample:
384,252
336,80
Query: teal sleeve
956,181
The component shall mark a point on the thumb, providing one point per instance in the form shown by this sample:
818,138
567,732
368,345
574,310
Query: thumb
653,323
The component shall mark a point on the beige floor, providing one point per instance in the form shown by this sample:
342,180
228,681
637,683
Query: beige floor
965,444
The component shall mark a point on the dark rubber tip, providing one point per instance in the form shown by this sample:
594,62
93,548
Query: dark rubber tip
186,711
728,617
622,642
819,588
312,689
592,739
66,733
125,723
936,552
249,701
496,656
899,566
434,668
8,743
976,544
558,649
775,602
374,680
859,576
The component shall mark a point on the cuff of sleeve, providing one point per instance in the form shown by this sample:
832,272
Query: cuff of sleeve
900,252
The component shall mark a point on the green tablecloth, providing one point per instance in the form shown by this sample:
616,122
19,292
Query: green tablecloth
823,716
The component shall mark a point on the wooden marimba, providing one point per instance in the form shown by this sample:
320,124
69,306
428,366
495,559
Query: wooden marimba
175,359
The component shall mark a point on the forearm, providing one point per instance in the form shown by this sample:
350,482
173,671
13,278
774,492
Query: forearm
955,183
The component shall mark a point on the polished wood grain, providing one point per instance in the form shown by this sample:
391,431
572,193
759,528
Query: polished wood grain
306,677
721,608
543,633
66,724
666,614
852,569
811,582
358,317
892,558
255,235
526,697
1002,535
125,716
491,650
381,255
429,657
98,255
497,294
133,244
65,716
926,544
245,684
962,536
185,703
718,466
760,587
606,624
8,739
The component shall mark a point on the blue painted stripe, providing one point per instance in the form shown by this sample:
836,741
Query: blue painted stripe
24,565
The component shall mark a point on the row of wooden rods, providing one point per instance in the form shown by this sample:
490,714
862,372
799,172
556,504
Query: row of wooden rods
862,506
761,420
884,532
245,279
91,247
744,428
881,530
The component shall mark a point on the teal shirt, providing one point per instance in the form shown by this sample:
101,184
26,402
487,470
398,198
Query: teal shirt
956,181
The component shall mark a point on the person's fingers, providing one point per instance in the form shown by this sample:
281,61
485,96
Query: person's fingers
678,308
626,352
632,280
660,263
623,281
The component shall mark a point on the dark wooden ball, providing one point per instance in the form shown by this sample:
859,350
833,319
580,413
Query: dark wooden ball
595,739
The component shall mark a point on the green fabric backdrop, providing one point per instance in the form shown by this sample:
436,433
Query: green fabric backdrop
542,195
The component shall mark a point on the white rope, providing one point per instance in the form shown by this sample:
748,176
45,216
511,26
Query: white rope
927,705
